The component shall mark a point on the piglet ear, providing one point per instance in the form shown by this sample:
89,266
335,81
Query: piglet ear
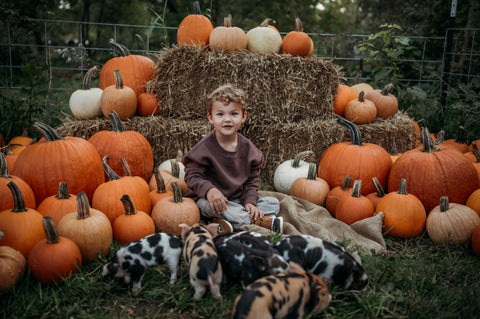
212,228
184,230
357,258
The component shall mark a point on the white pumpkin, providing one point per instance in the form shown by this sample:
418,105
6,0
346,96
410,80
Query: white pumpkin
85,104
264,40
167,164
287,172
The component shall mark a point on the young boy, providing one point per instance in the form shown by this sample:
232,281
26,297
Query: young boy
222,170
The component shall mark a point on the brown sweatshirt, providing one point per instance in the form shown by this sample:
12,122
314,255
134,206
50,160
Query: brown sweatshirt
235,174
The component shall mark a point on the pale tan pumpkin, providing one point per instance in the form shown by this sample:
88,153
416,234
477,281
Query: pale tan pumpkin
12,266
119,98
311,188
227,39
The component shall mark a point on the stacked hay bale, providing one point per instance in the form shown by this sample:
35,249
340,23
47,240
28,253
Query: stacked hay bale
289,106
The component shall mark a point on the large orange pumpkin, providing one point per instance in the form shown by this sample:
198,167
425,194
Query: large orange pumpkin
433,173
356,159
120,143
297,43
195,28
404,214
56,159
136,69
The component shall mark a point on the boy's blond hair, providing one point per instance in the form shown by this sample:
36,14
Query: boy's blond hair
227,93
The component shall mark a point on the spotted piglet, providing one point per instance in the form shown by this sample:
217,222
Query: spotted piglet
201,257
327,260
129,263
282,296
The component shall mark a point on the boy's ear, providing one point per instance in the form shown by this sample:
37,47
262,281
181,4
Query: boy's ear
244,117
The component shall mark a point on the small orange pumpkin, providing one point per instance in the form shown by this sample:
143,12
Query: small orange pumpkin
195,28
147,103
375,197
386,103
311,188
119,98
336,193
297,43
361,110
59,205
18,143
355,207
344,95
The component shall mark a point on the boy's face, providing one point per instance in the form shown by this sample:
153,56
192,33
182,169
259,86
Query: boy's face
226,119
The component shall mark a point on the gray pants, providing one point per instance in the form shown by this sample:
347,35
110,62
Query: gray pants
236,213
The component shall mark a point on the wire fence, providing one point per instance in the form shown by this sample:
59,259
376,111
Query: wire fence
61,51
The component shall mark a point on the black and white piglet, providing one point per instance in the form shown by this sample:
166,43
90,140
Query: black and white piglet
246,256
129,263
201,257
282,296
327,260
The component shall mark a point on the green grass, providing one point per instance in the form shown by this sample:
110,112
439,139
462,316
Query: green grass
416,279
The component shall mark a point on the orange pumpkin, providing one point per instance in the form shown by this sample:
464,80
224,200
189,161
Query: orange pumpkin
55,257
344,95
336,193
375,197
106,197
433,173
136,69
169,178
56,159
18,143
297,43
404,214
6,196
361,110
459,143
22,226
132,225
119,98
194,29
169,212
476,240
161,191
147,103
59,205
355,207
359,160
386,103
10,157
473,201
228,39
120,143
311,188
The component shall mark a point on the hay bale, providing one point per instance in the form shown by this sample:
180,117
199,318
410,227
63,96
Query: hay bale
280,88
278,142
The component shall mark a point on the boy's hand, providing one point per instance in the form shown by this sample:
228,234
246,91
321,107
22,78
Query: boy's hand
218,202
255,212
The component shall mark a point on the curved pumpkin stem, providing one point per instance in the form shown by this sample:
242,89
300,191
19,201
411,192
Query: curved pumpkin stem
227,21
444,204
403,187
312,171
361,96
51,232
110,172
175,168
118,48
118,79
177,193
394,151
128,205
117,125
428,144
354,131
299,157
160,182
83,207
87,79
46,131
267,21
440,137
476,153
378,187
126,168
387,89
18,201
196,8
298,24
347,181
4,167
357,188
63,191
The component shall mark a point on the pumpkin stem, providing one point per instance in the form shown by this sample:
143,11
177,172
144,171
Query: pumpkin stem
476,153
110,172
128,205
394,151
312,172
51,232
4,167
160,182
196,8
386,89
354,131
299,157
403,187
428,144
361,96
347,181
87,79
460,135
46,131
179,155
83,207
444,204
118,48
126,168
357,187
298,24
177,193
378,187
117,125
266,22
175,168
63,191
118,80
18,201
227,21
440,137
150,87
